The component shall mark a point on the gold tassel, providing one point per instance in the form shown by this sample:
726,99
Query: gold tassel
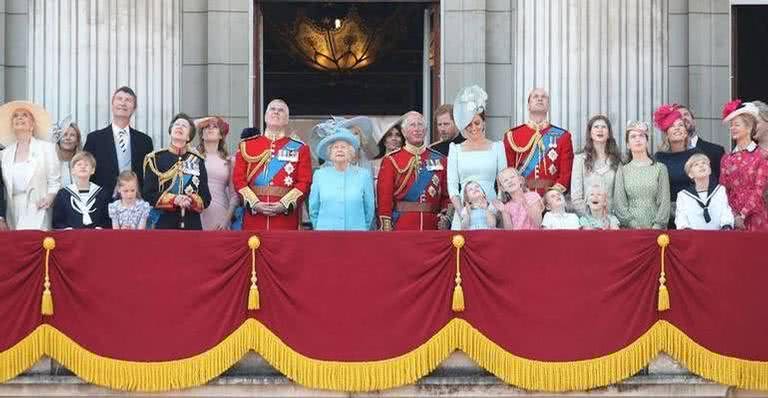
253,298
46,307
663,298
458,298
457,304
254,302
663,304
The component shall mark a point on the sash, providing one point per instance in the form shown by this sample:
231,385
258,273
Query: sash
274,165
423,179
537,151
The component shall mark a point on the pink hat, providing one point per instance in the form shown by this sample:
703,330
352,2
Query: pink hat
222,124
665,116
736,107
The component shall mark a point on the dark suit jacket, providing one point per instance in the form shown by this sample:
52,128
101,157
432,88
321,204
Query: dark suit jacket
714,152
101,144
443,146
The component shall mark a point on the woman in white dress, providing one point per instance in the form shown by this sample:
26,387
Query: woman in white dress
31,169
476,159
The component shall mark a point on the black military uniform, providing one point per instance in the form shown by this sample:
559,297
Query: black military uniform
168,175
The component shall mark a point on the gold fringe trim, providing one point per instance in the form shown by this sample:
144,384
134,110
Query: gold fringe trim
378,375
22,355
742,373
150,376
561,376
359,376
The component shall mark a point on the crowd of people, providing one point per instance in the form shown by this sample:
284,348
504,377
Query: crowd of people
529,180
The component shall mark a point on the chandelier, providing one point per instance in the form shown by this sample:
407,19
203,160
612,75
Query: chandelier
334,41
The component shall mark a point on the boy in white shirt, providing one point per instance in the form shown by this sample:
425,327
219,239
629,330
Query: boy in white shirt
704,203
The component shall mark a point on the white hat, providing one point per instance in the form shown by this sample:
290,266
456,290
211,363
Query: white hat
470,102
41,116
736,107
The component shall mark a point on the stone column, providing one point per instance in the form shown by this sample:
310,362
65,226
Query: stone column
709,54
13,59
464,38
215,67
80,52
594,56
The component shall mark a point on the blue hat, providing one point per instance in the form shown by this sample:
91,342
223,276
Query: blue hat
470,102
334,134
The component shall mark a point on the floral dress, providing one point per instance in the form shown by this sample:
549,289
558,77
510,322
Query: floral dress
128,216
744,174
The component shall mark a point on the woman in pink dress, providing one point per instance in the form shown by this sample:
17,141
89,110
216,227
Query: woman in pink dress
224,199
744,172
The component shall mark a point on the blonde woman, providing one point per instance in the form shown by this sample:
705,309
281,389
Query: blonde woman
31,169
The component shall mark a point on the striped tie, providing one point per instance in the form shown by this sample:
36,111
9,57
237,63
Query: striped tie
121,140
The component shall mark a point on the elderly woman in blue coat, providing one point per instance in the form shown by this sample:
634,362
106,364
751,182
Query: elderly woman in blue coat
341,197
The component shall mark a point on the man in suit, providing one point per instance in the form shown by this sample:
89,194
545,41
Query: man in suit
118,147
713,151
446,129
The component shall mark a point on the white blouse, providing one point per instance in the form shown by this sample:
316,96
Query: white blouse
560,221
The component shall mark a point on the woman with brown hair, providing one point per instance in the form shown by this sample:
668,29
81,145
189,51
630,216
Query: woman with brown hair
218,164
641,189
596,164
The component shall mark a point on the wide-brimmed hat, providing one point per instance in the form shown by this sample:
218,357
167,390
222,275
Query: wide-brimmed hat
339,134
204,122
735,108
470,102
397,122
41,116
364,126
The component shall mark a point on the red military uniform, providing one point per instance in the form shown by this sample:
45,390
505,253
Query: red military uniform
543,154
271,171
412,189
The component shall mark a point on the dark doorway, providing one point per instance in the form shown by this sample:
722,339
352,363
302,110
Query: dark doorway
389,85
750,52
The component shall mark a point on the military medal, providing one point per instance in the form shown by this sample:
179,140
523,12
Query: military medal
552,169
289,168
552,155
288,181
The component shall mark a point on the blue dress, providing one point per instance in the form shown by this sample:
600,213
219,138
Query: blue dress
341,200
479,166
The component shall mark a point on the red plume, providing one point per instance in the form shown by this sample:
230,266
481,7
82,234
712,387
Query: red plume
730,107
665,116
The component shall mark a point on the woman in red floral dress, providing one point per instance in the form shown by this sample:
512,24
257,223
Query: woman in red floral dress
744,171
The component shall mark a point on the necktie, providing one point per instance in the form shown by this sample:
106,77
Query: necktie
121,140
